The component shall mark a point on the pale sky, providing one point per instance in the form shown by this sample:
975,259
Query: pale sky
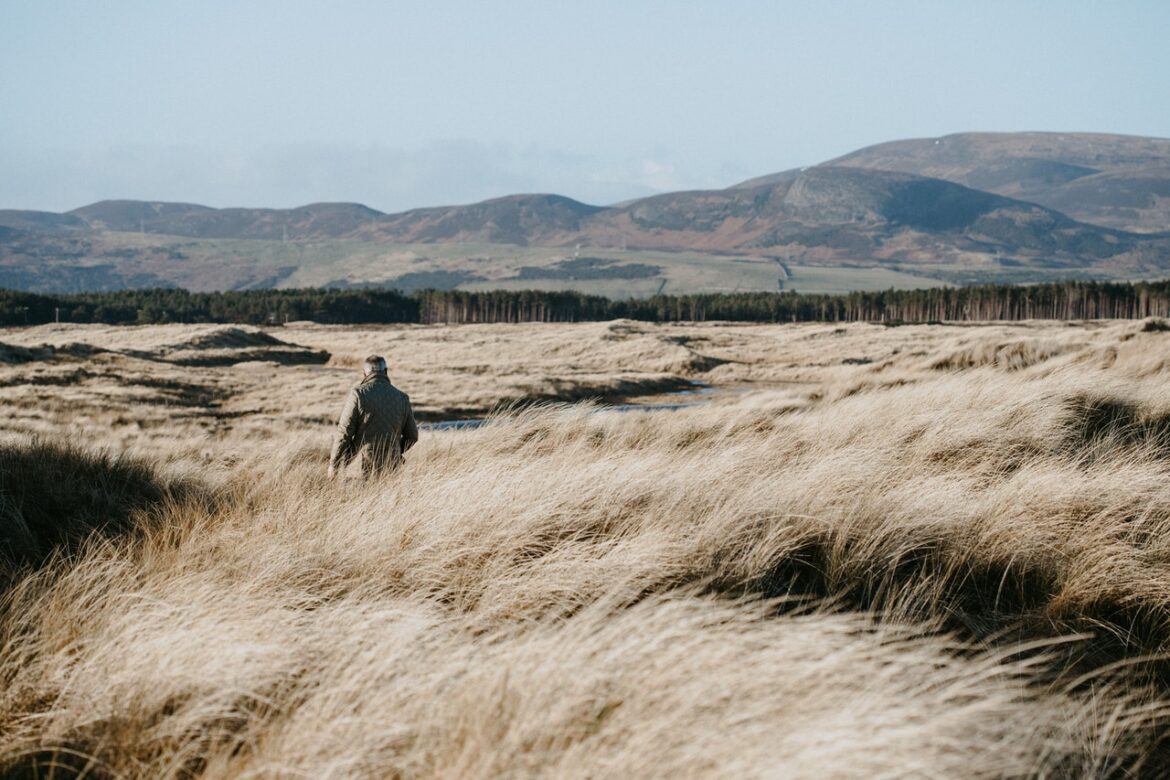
399,105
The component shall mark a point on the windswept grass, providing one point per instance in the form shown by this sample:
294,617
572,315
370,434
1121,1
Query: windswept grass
55,496
904,552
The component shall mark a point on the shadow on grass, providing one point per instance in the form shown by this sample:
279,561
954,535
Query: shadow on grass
1002,604
55,496
1100,421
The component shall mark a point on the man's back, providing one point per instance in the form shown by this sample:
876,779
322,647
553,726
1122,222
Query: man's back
377,422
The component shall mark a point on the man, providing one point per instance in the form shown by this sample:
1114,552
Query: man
376,422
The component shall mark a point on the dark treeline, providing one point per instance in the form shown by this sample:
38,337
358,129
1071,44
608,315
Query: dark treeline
1062,301
256,307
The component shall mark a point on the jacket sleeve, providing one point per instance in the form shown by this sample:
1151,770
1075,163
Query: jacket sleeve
345,440
409,429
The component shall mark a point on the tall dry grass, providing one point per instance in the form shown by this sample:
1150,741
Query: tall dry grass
918,552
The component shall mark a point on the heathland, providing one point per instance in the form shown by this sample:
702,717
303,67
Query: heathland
845,551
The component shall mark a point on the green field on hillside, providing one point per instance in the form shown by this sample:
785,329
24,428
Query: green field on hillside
209,264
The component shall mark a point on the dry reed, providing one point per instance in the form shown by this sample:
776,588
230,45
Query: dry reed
905,552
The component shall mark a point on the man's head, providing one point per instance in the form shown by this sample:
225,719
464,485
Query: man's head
374,364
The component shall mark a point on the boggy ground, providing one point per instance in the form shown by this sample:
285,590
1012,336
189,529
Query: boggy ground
890,552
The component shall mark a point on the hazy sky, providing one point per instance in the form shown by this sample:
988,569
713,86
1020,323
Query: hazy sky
398,105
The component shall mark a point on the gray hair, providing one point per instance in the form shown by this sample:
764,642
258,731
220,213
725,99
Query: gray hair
374,364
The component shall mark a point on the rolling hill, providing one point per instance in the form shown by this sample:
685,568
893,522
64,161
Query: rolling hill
516,219
1113,180
315,221
968,207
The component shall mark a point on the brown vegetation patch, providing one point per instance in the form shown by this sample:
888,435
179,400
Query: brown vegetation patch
13,355
229,346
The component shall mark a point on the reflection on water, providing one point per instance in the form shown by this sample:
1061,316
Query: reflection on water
453,425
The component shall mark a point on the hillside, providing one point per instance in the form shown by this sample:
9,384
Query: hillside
971,207
845,214
1114,180
315,221
516,219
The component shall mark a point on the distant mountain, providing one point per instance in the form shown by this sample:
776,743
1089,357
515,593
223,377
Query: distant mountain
516,219
828,212
971,206
848,213
315,221
131,216
42,221
1137,200
1113,180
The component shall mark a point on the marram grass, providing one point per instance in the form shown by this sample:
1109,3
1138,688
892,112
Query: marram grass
946,564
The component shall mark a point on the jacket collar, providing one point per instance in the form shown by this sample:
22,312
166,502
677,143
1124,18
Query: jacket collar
377,376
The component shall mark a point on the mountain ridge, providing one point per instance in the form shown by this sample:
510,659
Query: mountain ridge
909,203
1041,167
